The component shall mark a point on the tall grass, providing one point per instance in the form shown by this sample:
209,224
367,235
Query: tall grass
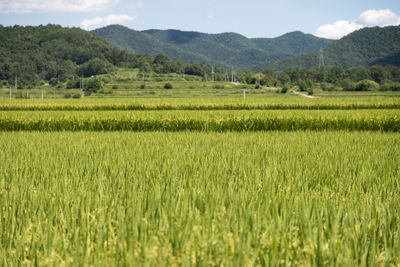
112,199
387,124
175,102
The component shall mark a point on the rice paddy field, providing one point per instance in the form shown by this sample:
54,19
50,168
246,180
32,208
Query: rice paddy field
221,181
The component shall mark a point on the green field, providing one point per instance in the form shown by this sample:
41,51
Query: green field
310,198
187,101
209,180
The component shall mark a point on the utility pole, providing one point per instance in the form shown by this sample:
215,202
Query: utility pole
232,74
16,82
212,73
82,86
42,95
244,92
10,93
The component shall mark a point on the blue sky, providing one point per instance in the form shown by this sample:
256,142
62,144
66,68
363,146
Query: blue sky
252,18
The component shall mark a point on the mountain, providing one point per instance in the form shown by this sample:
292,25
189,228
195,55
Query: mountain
141,43
43,52
362,48
225,50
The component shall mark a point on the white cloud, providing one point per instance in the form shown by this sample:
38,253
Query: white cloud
384,17
97,22
137,5
340,28
211,16
54,6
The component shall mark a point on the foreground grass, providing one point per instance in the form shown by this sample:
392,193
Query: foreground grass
312,198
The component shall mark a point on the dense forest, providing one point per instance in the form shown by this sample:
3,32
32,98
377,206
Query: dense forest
225,50
363,48
56,54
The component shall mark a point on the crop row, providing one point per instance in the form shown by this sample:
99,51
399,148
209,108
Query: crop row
236,106
389,124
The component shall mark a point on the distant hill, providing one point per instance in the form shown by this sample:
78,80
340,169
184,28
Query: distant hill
44,52
224,50
362,48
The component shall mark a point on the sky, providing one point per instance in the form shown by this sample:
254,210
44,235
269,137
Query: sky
251,18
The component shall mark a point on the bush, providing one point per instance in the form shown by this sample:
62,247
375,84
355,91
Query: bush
303,85
114,87
67,95
53,81
366,85
285,89
168,86
219,86
328,87
73,84
92,86
390,87
143,86
76,96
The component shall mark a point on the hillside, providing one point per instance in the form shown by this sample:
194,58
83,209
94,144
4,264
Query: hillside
61,56
141,43
224,50
362,48
44,52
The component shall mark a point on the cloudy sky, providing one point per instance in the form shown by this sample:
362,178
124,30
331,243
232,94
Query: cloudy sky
252,18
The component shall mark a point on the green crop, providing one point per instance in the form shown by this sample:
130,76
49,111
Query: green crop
219,121
277,198
252,102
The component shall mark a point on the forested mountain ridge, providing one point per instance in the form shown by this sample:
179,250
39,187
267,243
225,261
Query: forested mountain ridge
141,43
55,54
43,52
362,48
225,50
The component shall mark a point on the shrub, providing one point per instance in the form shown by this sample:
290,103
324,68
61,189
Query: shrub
284,89
115,86
73,84
390,87
93,85
143,86
76,96
168,86
67,95
366,85
303,86
328,87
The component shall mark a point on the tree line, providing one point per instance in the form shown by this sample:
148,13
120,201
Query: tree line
328,78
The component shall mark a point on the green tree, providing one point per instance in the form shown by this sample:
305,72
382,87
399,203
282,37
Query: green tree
93,85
